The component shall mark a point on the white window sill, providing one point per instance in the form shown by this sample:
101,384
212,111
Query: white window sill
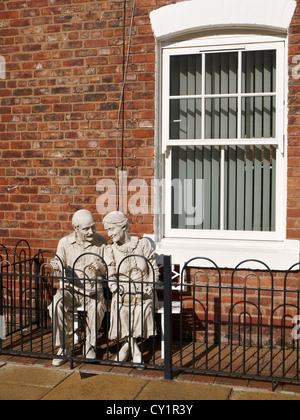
277,255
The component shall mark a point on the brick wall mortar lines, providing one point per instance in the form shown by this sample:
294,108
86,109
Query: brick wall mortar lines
293,186
59,107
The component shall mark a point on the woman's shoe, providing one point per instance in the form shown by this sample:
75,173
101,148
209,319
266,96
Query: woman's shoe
138,360
123,354
89,352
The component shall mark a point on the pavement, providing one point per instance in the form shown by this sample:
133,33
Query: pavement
33,379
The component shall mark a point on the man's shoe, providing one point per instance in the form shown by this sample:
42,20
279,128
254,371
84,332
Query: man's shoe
61,352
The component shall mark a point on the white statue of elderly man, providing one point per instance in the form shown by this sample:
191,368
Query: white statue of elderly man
81,284
132,306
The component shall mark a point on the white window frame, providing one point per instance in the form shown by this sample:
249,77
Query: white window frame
217,44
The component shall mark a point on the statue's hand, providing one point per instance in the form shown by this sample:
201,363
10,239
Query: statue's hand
55,264
99,266
114,288
148,290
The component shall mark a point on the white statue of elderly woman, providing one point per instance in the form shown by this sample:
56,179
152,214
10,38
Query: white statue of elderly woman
133,301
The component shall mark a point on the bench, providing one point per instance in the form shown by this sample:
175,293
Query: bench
176,309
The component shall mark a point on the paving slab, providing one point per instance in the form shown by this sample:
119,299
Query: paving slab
262,396
15,392
19,382
32,375
81,386
183,391
28,383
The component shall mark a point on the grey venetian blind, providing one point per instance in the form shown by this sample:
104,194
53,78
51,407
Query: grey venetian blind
233,109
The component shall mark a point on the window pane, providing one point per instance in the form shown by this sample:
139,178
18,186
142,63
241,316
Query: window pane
259,117
250,181
234,99
185,75
259,72
221,73
196,187
185,119
249,188
221,118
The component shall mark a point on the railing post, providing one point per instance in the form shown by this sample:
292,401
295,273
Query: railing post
21,296
1,312
168,316
36,292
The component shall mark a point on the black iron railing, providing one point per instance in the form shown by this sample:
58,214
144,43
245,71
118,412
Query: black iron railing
243,323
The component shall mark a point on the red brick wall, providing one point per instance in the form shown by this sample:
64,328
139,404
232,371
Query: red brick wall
247,306
293,203
59,110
